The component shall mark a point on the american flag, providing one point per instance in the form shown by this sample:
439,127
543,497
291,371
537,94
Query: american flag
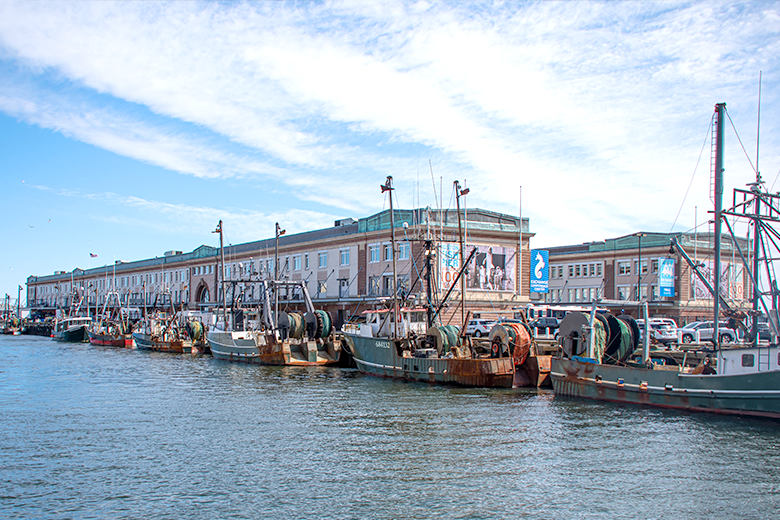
92,255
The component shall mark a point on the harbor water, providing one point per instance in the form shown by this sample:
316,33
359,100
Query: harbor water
100,432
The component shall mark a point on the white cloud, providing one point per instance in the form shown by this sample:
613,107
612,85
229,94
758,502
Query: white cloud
596,109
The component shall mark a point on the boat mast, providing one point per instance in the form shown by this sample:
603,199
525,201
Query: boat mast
222,282
458,193
388,186
718,195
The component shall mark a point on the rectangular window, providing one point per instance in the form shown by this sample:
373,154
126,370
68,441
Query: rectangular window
306,261
322,288
322,260
624,292
593,269
576,270
598,269
560,274
624,268
570,295
654,265
373,286
403,251
571,272
297,262
748,360
387,250
344,257
654,292
373,254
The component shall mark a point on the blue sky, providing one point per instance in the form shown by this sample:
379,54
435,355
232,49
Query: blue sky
130,129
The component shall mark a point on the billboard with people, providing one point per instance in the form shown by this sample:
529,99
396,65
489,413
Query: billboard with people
492,268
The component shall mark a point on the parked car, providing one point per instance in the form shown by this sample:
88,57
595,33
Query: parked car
546,322
661,332
706,329
479,327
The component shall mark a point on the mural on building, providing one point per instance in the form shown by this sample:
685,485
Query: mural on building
731,281
491,269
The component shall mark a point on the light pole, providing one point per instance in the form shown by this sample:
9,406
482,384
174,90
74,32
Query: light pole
279,232
639,268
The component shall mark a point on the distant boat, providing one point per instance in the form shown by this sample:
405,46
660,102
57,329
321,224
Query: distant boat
114,331
111,334
72,330
268,336
162,334
597,355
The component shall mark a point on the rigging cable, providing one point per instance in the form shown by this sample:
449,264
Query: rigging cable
682,204
740,142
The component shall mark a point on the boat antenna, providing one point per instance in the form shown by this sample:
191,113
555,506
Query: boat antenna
388,186
758,127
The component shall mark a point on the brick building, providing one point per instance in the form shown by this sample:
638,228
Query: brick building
626,269
347,268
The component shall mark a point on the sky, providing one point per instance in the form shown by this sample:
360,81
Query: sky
131,129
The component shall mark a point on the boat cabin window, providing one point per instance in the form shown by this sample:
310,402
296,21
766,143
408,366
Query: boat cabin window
747,360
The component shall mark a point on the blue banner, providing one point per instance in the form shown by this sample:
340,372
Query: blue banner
666,277
540,271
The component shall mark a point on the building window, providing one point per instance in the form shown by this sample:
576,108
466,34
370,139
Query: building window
403,251
297,262
624,292
644,267
344,257
306,261
373,254
387,252
343,288
576,270
624,268
387,286
593,269
654,292
654,265
598,269
322,288
373,286
570,297
560,274
571,271
322,260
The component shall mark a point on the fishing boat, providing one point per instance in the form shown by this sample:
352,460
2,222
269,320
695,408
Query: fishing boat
72,330
113,331
406,343
111,334
162,333
270,336
597,358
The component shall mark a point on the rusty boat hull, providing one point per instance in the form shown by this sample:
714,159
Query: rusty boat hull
147,342
262,348
755,394
110,340
379,357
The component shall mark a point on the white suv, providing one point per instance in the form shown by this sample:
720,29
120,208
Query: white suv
479,328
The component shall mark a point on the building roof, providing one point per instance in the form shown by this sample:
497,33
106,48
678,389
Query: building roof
474,219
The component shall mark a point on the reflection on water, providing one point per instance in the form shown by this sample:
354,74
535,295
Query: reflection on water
92,432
